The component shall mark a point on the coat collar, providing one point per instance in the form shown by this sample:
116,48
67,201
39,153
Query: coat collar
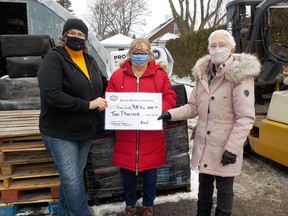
241,66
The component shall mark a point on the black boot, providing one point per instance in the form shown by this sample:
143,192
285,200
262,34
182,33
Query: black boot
218,212
203,208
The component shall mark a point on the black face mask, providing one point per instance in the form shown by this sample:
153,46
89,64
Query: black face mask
75,43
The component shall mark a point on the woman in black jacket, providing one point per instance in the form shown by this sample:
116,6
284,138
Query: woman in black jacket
71,90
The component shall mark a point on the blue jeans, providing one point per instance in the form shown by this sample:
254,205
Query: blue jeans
130,187
70,159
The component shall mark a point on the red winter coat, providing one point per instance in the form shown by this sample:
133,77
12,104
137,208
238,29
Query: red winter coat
140,150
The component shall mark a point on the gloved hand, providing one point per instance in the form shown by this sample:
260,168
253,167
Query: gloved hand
228,158
166,116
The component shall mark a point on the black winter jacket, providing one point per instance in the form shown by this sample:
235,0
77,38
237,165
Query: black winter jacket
65,95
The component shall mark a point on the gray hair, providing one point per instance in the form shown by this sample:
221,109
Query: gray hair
225,33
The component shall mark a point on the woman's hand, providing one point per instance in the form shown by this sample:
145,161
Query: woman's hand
99,103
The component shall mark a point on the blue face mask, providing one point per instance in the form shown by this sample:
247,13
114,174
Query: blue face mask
139,59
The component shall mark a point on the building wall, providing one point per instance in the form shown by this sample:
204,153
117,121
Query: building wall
164,30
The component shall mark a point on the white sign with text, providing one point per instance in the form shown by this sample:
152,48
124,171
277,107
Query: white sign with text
133,111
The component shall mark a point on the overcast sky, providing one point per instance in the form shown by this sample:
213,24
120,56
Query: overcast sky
160,9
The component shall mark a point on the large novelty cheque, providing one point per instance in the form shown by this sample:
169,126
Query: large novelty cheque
133,111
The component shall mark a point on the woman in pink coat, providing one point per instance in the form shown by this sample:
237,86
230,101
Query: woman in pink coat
223,100
141,151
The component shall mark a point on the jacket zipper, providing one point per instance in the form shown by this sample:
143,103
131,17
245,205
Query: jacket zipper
137,132
90,81
89,72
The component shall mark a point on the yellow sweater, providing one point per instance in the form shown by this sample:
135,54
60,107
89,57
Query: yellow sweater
78,59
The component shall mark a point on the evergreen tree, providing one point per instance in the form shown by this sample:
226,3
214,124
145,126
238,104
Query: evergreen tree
66,4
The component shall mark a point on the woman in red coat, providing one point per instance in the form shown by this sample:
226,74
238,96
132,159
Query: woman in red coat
141,151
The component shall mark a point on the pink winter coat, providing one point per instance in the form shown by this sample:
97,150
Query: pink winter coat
225,111
140,150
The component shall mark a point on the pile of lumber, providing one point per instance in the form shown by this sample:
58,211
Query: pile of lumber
28,173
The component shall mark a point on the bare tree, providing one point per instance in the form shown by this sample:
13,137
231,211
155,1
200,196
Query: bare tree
110,17
66,4
200,15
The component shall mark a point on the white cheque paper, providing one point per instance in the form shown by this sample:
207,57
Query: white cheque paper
133,111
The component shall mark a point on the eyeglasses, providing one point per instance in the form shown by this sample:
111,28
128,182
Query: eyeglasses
76,34
139,53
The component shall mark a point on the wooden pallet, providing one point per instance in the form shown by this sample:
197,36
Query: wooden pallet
28,173
19,123
12,173
24,157
30,189
20,139
16,145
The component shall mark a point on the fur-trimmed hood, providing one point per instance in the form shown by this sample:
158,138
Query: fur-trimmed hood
244,65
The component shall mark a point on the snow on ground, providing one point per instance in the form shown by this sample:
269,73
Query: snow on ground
114,208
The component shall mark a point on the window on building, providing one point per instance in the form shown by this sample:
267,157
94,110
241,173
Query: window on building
176,30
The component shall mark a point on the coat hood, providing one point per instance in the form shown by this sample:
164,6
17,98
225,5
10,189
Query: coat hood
247,65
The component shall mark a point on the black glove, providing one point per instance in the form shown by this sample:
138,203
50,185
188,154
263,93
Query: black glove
166,116
228,158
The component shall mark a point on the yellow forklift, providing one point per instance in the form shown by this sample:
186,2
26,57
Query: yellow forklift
258,29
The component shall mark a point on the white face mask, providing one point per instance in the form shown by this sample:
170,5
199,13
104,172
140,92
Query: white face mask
219,55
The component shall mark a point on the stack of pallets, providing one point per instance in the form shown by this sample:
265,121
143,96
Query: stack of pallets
28,174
